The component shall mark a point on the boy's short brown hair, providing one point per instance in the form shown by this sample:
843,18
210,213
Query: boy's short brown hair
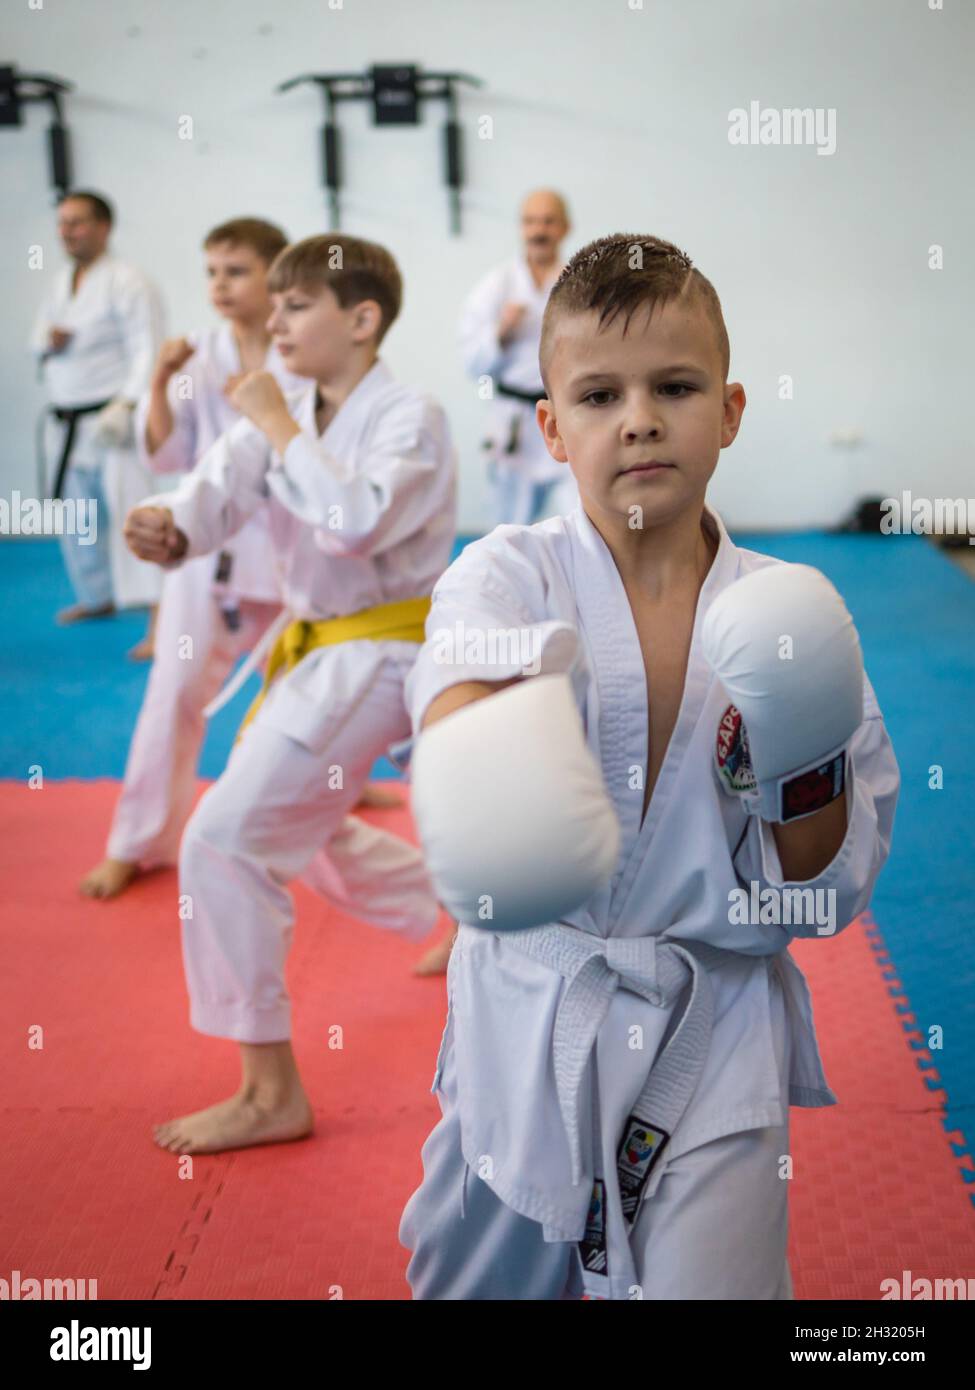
618,274
264,238
351,268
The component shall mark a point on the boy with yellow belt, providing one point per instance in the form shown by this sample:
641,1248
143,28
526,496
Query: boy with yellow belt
358,476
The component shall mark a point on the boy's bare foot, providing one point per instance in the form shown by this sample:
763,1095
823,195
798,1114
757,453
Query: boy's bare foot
435,960
146,649
378,799
78,613
238,1123
108,879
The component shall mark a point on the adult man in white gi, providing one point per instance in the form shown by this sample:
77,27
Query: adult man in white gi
96,336
500,324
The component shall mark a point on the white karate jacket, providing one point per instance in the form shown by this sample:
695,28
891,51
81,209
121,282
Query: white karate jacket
527,1054
116,320
516,364
360,516
201,414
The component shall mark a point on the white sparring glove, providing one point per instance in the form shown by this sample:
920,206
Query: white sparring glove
511,809
113,426
781,745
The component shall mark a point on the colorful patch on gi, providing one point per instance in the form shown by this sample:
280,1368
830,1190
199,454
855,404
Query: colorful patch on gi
592,1247
813,790
639,1150
731,753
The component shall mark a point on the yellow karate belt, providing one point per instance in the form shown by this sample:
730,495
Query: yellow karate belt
387,622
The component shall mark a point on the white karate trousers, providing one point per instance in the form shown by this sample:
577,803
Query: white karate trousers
526,486
126,481
115,481
519,500
713,1225
195,652
257,829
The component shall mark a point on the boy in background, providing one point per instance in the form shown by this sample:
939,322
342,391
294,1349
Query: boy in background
217,607
358,477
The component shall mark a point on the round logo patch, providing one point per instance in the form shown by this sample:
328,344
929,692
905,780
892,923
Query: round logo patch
731,753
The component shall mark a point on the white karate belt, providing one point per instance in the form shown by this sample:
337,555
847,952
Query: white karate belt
594,968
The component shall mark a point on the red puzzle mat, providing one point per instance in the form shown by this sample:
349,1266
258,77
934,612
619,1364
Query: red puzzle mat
877,1187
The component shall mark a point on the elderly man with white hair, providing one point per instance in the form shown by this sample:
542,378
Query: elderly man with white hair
500,327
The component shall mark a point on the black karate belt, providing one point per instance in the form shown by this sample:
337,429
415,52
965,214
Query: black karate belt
70,415
517,395
527,398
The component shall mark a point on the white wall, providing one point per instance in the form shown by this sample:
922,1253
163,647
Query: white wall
821,262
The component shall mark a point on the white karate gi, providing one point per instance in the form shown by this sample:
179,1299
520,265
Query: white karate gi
195,646
527,482
363,515
509,1170
116,322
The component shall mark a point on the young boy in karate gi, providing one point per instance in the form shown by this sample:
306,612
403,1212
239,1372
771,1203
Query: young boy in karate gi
214,608
679,720
204,623
357,475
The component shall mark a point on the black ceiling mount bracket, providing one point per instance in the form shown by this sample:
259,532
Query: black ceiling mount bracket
396,91
19,87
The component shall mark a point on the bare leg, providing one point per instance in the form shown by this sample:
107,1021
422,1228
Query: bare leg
435,960
378,799
108,879
271,1107
145,650
254,832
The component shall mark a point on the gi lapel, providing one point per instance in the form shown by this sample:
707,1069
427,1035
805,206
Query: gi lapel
623,715
345,427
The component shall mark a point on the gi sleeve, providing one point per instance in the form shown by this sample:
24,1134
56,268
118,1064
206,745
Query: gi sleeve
226,487
40,329
140,315
177,452
480,351
872,786
488,622
405,480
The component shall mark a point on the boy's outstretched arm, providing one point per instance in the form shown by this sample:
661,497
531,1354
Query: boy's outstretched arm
464,693
510,805
215,499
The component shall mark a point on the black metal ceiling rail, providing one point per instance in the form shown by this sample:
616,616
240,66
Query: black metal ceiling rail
16,89
396,93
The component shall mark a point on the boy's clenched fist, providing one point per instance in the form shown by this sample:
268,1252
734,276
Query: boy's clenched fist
151,534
